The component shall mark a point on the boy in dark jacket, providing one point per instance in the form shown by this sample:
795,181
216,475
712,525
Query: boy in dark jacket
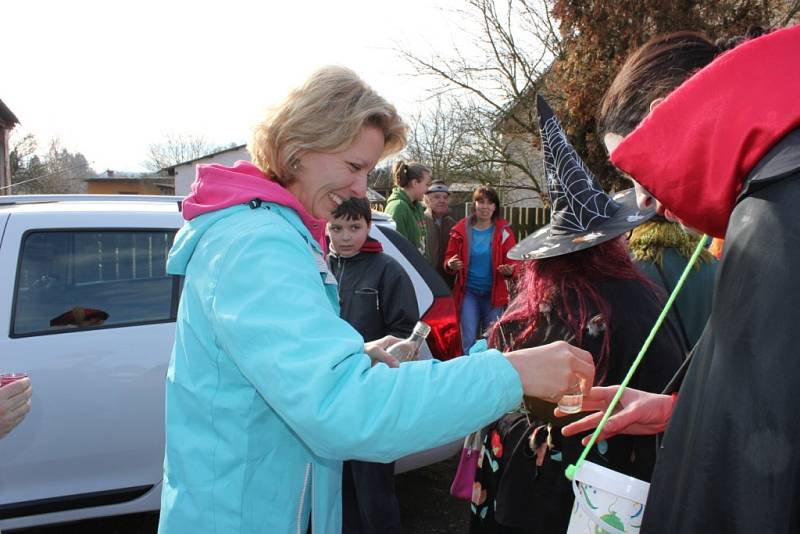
377,298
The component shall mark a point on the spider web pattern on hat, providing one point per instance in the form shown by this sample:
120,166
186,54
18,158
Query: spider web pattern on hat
577,200
582,214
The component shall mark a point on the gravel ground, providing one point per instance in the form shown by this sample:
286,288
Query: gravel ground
425,505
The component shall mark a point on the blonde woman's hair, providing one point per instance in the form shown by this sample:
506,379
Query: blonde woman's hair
325,114
403,173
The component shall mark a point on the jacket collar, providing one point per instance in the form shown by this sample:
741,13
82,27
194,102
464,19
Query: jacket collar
217,187
370,246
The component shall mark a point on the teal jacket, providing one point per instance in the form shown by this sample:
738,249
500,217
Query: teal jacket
408,216
268,390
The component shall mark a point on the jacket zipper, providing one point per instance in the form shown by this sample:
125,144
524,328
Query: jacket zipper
303,499
313,501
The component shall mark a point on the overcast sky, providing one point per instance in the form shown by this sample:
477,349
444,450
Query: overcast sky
109,78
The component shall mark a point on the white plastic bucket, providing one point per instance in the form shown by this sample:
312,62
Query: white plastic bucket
606,502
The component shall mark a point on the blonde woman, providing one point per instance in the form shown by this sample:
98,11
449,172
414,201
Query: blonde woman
268,390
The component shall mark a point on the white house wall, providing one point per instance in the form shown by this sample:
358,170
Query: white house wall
521,150
184,174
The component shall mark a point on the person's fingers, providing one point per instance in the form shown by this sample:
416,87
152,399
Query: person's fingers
11,424
601,393
380,355
598,398
24,395
623,422
12,406
18,411
582,425
387,341
17,387
12,417
15,408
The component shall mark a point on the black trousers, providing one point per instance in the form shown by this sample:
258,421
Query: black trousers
369,503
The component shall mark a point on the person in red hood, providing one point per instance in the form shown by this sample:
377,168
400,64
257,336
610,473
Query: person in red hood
477,255
714,139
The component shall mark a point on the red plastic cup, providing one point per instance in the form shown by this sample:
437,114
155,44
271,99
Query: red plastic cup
11,377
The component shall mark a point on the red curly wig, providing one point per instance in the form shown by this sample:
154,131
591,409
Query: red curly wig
567,286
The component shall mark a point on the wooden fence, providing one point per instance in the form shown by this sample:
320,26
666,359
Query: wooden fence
524,221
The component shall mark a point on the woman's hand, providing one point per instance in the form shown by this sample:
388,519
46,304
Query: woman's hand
15,402
548,371
455,263
505,269
376,350
637,412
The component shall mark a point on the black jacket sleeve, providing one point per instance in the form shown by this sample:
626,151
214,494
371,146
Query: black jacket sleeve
398,301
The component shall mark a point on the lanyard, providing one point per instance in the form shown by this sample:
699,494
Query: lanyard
571,469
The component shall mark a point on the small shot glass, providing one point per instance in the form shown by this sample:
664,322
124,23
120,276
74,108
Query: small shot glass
11,377
572,401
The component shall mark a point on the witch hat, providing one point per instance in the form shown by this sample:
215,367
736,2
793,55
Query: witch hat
582,214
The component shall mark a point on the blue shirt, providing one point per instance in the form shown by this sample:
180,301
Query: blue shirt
479,274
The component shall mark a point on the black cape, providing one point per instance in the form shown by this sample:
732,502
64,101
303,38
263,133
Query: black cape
729,461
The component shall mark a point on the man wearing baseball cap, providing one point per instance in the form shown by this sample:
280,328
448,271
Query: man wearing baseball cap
438,223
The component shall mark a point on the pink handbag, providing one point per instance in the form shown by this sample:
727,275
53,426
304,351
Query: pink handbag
461,488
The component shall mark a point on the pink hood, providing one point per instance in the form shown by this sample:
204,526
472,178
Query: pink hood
218,187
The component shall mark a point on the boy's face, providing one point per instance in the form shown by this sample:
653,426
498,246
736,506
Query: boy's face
348,235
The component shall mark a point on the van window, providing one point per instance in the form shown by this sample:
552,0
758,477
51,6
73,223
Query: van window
73,280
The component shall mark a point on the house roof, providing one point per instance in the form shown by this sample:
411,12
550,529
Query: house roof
171,169
125,176
7,118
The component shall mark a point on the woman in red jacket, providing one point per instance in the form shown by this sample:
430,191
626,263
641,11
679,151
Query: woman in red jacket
476,254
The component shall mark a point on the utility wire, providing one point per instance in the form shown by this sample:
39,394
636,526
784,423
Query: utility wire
42,176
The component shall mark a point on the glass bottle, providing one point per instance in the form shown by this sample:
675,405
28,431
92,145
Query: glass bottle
408,349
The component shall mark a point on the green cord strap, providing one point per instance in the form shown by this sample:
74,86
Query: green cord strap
571,469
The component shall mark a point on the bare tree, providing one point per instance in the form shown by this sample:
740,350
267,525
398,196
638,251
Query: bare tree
54,172
177,148
514,43
569,51
788,17
438,138
23,147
